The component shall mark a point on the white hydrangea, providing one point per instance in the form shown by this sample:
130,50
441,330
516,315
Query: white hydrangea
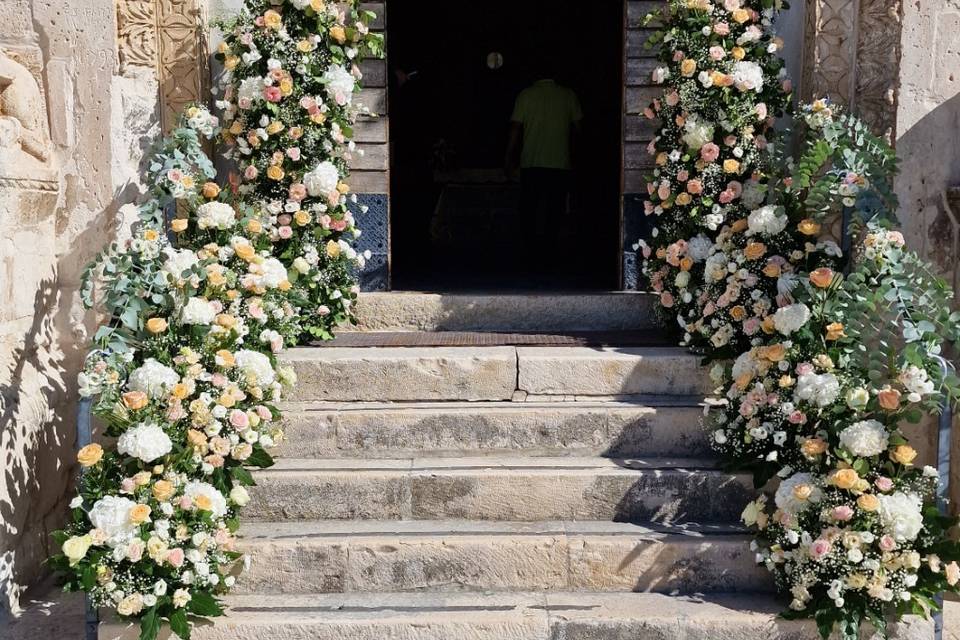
111,514
273,273
697,133
218,504
215,215
698,247
178,261
152,378
340,84
748,76
766,221
865,438
791,318
901,516
300,4
197,311
793,501
322,179
255,365
146,441
820,390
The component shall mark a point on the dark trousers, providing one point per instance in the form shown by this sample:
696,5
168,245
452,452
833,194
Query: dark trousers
543,200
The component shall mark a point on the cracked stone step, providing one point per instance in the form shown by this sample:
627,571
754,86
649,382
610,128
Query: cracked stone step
380,374
653,426
520,312
453,555
508,616
500,488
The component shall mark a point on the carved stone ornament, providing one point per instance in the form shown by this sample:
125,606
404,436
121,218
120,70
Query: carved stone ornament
169,37
852,55
23,112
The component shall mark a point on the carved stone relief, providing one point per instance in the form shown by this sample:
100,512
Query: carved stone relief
169,37
852,55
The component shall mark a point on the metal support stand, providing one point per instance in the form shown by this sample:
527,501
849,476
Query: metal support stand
85,437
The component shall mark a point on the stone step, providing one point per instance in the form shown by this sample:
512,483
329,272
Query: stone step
499,488
452,555
379,374
509,616
652,426
517,312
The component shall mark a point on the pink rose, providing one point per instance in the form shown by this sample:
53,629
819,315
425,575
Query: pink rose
174,175
709,152
239,419
683,175
721,29
887,543
761,142
272,94
842,513
214,460
648,112
751,325
246,39
663,191
761,109
727,196
787,86
883,483
276,344
186,502
338,225
308,103
323,310
797,417
717,53
175,557
294,153
135,551
709,309
324,221
820,548
127,485
678,55
264,413
297,192
731,5
694,187
804,368
646,251
285,232
666,299
284,218
219,380
250,173
673,98
896,237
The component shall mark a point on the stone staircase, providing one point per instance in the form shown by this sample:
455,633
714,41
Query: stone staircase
499,492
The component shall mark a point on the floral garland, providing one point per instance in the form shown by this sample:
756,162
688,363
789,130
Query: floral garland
184,371
825,367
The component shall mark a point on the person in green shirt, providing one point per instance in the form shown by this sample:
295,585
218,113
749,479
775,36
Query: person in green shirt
546,119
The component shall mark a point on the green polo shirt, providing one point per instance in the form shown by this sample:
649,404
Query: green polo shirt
546,110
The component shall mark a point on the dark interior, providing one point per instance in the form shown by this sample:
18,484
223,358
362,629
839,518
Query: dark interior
455,71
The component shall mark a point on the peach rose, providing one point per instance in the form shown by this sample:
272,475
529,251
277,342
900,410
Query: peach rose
90,455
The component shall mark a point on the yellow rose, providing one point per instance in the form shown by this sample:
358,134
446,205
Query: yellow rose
786,381
845,478
196,439
141,478
284,285
343,187
822,277
338,34
738,53
274,172
683,199
187,181
139,514
904,454
286,86
150,235
731,166
802,492
179,225
808,227
76,548
317,5
162,490
686,263
134,400
301,217
333,249
738,313
202,502
304,46
688,67
230,62
868,502
90,455
226,320
739,225
772,270
254,226
767,325
156,325
740,16
272,20
813,447
274,127
775,352
245,252
236,128
180,391
318,117
227,400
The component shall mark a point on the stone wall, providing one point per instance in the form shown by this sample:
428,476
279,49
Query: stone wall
72,128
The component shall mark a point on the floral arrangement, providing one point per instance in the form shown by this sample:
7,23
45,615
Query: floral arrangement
725,87
817,370
184,370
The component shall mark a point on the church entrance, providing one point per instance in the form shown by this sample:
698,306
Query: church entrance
488,191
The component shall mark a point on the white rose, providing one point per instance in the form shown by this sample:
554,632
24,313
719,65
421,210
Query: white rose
180,598
901,516
788,499
152,378
301,265
857,398
146,442
866,438
111,514
322,179
197,311
218,504
682,279
239,496
215,215
255,365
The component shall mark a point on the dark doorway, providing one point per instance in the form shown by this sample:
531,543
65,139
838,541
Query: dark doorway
458,220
